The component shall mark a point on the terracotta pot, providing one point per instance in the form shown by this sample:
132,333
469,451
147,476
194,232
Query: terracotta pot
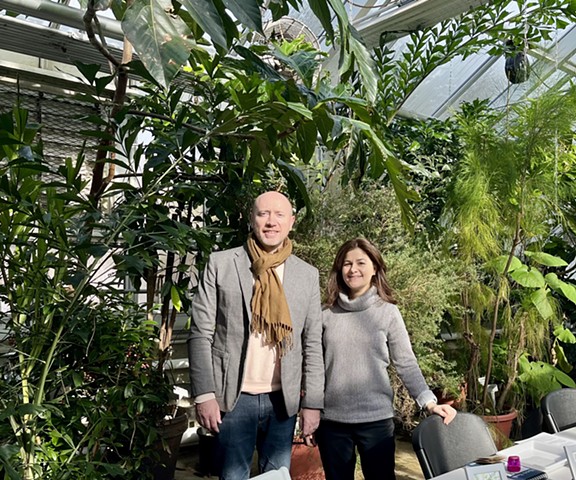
502,426
305,463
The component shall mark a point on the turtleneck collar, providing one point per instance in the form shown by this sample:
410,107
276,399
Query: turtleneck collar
363,302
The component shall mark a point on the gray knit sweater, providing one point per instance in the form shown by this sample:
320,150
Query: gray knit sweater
361,338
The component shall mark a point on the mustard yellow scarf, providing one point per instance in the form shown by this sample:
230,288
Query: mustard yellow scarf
270,312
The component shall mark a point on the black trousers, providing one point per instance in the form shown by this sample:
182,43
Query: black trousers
374,442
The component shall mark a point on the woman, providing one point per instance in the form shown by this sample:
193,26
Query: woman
363,332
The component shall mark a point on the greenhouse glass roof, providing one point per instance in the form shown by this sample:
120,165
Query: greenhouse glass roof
40,43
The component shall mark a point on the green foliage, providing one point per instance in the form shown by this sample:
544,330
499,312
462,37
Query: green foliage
432,149
76,376
401,67
507,197
226,130
165,33
486,27
540,378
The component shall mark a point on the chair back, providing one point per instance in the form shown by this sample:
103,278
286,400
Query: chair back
441,448
559,410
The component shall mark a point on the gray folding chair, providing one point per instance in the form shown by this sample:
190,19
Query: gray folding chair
559,410
441,448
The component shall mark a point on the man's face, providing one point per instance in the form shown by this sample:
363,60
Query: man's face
272,220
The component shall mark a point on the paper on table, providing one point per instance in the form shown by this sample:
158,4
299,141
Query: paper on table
543,451
569,434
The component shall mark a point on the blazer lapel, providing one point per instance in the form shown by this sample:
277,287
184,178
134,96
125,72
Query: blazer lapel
246,279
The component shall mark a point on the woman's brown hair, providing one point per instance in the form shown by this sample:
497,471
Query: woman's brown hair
336,283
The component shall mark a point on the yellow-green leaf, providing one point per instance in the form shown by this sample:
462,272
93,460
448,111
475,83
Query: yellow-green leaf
175,297
540,300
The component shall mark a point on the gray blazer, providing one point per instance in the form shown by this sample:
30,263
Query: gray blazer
220,328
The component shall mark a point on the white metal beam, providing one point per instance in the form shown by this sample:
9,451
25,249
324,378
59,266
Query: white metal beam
399,18
61,14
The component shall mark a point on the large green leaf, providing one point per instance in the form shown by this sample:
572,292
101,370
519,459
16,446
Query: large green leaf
301,109
159,38
546,259
205,13
247,11
175,297
365,64
564,379
541,377
306,136
499,264
530,278
540,300
561,358
567,289
296,186
324,122
382,154
322,12
564,334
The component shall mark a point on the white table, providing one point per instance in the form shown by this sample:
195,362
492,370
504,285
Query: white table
560,473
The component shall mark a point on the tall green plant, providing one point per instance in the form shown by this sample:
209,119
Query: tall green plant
76,380
404,65
505,201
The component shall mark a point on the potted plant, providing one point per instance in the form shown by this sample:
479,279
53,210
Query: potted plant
508,189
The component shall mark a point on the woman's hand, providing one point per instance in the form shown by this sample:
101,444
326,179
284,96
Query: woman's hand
444,411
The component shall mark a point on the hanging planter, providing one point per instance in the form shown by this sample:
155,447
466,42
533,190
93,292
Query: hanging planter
517,66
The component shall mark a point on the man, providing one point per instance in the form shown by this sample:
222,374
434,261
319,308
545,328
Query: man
255,345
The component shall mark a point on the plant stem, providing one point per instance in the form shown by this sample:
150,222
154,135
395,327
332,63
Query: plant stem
501,283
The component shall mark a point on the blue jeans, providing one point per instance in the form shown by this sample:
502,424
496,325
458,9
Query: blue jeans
375,443
256,422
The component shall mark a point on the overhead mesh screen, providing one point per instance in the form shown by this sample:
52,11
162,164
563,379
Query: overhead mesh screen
62,119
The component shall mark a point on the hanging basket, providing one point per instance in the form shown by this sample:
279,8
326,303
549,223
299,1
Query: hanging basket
517,68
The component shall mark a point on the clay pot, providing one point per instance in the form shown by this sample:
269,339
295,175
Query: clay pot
501,426
305,463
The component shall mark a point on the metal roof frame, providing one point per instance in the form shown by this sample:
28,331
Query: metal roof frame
52,31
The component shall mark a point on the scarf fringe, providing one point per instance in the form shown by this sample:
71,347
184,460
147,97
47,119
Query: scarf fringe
279,335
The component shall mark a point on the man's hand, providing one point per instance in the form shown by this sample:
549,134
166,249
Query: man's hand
208,415
309,421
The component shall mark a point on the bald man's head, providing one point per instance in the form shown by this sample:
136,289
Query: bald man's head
272,220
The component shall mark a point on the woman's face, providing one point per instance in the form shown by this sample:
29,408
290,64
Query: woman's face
357,272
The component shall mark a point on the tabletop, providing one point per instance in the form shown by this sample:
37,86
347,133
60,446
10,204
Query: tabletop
528,451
